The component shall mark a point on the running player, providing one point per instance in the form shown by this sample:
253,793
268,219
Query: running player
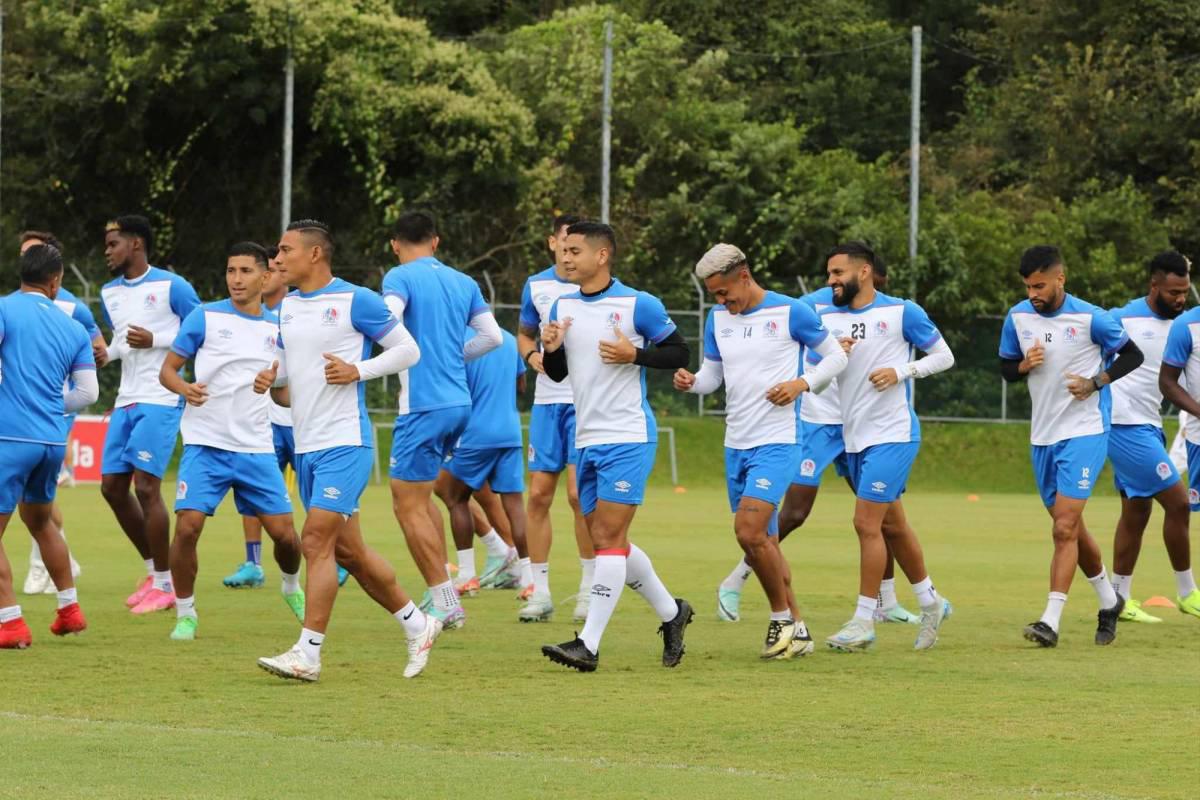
551,438
226,430
757,354
436,303
881,432
1136,444
144,307
326,328
40,348
600,335
1059,343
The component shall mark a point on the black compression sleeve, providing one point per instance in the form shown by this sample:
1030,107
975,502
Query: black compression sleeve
1010,368
1129,358
671,353
555,364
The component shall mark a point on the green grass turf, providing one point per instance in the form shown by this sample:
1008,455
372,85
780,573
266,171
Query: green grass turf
121,711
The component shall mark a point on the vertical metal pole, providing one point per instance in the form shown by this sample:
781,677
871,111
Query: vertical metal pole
700,335
1,84
606,123
1003,400
914,178
289,105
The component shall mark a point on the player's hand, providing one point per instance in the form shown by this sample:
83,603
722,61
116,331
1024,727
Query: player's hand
782,394
621,351
264,380
1081,388
195,393
553,335
100,354
535,363
1033,359
847,344
883,379
338,372
684,380
139,338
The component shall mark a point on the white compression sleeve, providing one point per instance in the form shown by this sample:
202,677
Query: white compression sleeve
86,391
833,361
400,351
709,378
487,336
937,359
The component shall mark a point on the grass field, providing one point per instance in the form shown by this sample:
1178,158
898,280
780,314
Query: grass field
123,712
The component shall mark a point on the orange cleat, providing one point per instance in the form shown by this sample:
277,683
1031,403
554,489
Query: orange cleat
15,635
68,620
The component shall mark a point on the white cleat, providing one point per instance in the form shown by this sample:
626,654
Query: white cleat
540,608
420,645
931,620
583,602
291,664
38,580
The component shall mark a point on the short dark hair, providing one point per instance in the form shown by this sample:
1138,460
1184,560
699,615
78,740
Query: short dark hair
858,251
252,249
272,251
592,230
45,237
1038,258
314,227
134,225
39,264
564,219
414,227
1170,262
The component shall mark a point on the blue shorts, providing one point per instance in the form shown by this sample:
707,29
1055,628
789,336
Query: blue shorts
334,479
422,441
1193,455
140,437
552,437
1070,467
285,446
880,473
1141,466
822,445
206,474
615,473
28,473
499,467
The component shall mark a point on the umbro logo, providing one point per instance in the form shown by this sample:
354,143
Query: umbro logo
145,455
600,590
225,333
726,333
332,493
763,483
622,486
879,486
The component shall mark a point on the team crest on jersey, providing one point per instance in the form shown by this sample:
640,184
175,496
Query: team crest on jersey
614,320
808,468
225,333
181,491
1070,336
771,329
151,301
1163,469
881,328
329,316
269,344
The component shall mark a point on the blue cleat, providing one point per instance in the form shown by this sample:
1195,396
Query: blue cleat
343,575
247,576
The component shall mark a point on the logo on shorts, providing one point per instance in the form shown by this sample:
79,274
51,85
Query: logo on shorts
726,333
763,483
808,468
532,453
614,320
181,491
329,316
1164,470
145,455
1070,336
331,492
771,329
225,333
151,302
1194,497
623,486
878,486
881,328
392,462
1085,481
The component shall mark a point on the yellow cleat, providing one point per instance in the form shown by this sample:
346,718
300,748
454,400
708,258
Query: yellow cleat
1191,603
1133,613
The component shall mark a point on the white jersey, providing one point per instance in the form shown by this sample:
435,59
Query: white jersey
758,349
230,349
824,408
279,415
610,399
538,296
342,319
157,301
885,333
1136,399
1183,351
1077,338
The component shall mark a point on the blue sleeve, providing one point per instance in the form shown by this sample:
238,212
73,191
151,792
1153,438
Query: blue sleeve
711,351
478,304
370,316
104,313
522,367
1010,345
83,355
183,298
650,318
83,315
1107,332
529,314
554,311
918,328
395,283
1,322
1179,344
190,338
805,326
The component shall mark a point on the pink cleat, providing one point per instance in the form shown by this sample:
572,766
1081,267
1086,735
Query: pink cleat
155,600
140,593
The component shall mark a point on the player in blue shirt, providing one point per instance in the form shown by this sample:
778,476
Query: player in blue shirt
436,303
39,349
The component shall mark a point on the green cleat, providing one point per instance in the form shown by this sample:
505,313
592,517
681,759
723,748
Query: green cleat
295,601
1191,603
185,629
897,613
728,602
1133,613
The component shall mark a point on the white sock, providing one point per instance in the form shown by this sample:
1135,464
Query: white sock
865,610
1104,589
9,613
496,548
887,594
310,645
541,578
412,618
737,579
466,564
185,606
641,577
526,572
162,581
1122,584
781,616
444,596
587,573
149,562
68,596
606,591
291,583
926,595
35,555
1054,608
1185,584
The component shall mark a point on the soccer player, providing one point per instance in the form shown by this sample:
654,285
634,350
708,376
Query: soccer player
144,306
436,303
227,441
1143,470
488,454
599,335
551,438
753,343
1058,343
40,348
326,327
881,432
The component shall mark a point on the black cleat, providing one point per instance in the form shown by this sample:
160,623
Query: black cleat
573,654
1106,626
672,633
1042,634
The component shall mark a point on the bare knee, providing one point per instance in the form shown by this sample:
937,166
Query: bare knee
540,498
1065,530
114,488
147,489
